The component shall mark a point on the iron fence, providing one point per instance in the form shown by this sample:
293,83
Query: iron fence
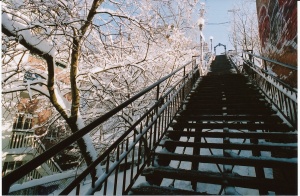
281,95
131,152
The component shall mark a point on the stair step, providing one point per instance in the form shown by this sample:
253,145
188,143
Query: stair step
225,179
236,97
233,110
267,162
239,118
276,136
224,103
161,190
287,148
222,100
229,111
248,126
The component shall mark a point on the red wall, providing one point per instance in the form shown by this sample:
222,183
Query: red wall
277,21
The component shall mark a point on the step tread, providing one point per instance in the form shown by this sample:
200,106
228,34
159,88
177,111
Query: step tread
244,126
267,162
161,190
289,136
225,179
235,146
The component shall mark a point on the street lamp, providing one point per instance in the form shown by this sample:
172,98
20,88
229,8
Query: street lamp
201,24
211,38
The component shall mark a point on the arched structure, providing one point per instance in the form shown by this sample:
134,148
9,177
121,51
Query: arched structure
220,45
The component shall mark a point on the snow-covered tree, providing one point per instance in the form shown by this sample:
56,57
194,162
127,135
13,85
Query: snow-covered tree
245,34
110,51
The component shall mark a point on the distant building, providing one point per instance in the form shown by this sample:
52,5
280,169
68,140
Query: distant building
22,127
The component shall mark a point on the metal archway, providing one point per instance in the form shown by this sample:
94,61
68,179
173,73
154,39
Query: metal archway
220,45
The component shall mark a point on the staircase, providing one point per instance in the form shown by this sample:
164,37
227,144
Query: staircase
226,139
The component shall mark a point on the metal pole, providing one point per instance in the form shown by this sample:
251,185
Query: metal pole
200,49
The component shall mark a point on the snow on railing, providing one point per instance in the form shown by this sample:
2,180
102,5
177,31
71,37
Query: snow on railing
204,65
44,185
121,161
280,94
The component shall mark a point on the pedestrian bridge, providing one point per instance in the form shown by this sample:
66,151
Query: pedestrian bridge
220,129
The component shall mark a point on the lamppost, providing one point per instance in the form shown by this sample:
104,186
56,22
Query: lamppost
201,24
211,38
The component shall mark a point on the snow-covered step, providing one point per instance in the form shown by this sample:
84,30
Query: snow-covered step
265,146
251,161
238,126
237,143
224,179
147,189
284,136
237,118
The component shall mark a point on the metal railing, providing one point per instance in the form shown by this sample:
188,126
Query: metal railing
21,138
122,163
25,139
280,94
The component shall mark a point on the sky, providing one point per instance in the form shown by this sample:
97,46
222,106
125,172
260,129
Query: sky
217,12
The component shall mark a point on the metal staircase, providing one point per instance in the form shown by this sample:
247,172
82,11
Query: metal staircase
225,139
219,129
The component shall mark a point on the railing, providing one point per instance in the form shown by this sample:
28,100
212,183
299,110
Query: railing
44,185
280,94
21,138
122,163
40,148
26,139
205,64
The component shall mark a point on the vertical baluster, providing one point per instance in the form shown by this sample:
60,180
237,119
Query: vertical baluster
117,171
132,163
139,155
134,136
290,109
141,127
163,121
150,145
12,140
151,132
78,189
183,82
18,140
287,106
125,168
294,113
106,171
22,140
159,127
280,100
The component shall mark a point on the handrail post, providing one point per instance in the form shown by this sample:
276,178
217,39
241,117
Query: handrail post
193,68
265,64
156,121
183,83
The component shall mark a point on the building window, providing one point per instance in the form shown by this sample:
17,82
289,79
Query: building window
23,121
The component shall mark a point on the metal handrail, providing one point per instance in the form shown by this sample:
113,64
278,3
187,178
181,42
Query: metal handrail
280,94
272,61
12,177
273,77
